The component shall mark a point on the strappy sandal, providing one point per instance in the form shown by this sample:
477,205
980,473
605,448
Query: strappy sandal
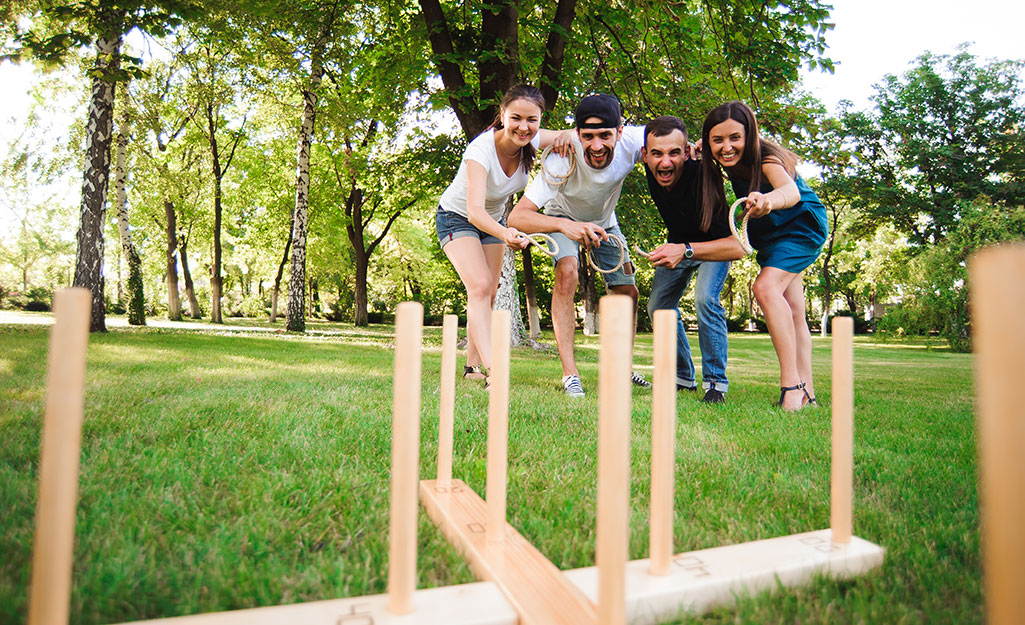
473,372
783,390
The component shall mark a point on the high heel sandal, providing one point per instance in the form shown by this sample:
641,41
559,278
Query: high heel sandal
473,373
783,390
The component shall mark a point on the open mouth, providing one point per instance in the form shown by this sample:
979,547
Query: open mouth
598,158
664,176
727,157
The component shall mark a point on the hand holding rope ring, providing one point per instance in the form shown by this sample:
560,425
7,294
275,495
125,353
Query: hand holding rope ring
741,234
622,256
550,246
556,180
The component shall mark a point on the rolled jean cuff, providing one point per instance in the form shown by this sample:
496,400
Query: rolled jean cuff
722,387
686,383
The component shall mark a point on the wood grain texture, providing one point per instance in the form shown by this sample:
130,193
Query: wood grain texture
538,591
663,442
446,400
498,426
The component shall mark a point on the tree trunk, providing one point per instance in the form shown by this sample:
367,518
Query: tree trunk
362,262
508,298
296,321
533,317
281,271
136,300
190,290
95,178
215,269
174,307
589,293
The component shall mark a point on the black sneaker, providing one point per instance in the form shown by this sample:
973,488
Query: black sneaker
713,396
689,389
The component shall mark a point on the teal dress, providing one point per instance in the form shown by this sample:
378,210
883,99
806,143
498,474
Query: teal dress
788,238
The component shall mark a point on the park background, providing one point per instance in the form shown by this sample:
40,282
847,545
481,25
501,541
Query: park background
921,167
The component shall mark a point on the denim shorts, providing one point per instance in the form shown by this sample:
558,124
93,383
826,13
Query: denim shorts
606,255
451,226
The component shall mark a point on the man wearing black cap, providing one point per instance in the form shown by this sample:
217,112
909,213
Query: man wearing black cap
698,246
581,211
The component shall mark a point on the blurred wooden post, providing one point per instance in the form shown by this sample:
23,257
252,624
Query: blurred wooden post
446,419
615,361
498,426
405,458
663,442
997,278
842,484
50,589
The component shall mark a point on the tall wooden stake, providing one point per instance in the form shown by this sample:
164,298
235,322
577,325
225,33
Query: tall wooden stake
842,484
405,458
663,442
615,361
997,301
498,426
446,419
50,594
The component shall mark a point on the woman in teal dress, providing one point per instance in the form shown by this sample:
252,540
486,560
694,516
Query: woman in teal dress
788,227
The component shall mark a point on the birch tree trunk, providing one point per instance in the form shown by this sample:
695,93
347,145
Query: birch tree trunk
508,297
174,307
96,176
281,270
296,320
533,316
589,294
190,289
136,301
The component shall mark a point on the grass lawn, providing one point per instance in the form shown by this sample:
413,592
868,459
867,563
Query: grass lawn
224,470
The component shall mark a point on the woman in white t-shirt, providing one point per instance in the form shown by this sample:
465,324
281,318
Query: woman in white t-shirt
469,220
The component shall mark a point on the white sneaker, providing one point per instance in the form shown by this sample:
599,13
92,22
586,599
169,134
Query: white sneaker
571,384
639,380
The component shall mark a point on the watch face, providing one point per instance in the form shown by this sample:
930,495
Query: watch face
689,253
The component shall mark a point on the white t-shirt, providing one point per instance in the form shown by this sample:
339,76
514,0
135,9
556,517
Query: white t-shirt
589,194
498,187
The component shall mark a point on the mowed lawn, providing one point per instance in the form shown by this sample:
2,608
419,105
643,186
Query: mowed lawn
232,470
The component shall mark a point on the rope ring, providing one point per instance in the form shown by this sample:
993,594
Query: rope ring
556,180
641,252
551,247
622,256
741,235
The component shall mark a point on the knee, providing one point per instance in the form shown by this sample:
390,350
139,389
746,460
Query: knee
566,278
764,291
479,290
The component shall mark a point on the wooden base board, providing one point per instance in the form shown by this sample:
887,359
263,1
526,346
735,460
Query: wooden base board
538,590
701,580
480,603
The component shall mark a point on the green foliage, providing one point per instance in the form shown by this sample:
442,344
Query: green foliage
938,284
947,131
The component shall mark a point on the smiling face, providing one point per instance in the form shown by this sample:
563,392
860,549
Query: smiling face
521,119
726,142
664,156
599,143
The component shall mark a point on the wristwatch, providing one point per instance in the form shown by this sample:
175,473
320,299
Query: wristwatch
690,251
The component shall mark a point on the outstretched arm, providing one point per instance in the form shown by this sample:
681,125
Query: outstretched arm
670,254
784,192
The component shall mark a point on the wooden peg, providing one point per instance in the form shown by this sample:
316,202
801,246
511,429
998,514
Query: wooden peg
498,426
842,482
997,278
50,589
663,441
405,458
615,362
446,419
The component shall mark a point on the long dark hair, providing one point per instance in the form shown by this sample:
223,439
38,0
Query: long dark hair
520,92
756,151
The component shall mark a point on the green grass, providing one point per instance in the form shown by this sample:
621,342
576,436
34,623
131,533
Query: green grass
231,470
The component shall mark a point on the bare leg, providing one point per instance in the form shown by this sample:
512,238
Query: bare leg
564,318
469,258
769,287
794,295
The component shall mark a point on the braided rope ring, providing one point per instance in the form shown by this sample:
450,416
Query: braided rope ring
741,235
641,252
622,256
554,179
551,247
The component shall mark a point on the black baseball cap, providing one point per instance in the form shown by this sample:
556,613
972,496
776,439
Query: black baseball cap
603,106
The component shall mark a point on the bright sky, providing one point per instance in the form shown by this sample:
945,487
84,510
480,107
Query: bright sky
877,37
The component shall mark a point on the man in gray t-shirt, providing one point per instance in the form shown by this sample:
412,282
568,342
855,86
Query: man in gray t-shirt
581,212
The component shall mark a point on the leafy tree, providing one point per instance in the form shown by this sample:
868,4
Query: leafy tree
56,30
949,130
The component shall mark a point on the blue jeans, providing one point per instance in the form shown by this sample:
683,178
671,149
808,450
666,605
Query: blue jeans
669,287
